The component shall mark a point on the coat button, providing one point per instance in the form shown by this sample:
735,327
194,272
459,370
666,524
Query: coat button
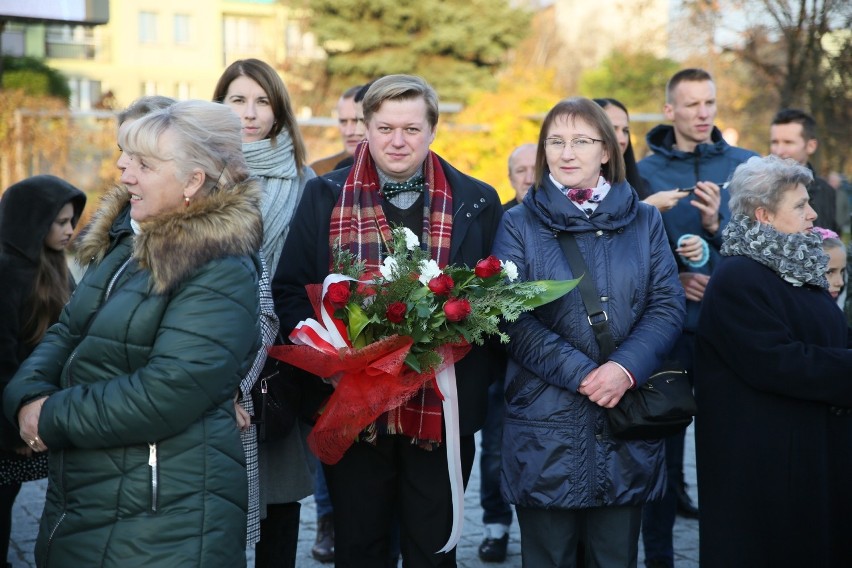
482,200
468,215
476,205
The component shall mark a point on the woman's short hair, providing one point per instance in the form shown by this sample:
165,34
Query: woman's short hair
142,106
761,182
282,108
590,112
401,88
207,137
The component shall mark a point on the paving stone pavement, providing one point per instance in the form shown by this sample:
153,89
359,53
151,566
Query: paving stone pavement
31,500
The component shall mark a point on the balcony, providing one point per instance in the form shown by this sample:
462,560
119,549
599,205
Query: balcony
77,43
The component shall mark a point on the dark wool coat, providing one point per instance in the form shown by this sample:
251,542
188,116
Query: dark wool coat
146,464
823,200
27,211
305,260
773,382
557,451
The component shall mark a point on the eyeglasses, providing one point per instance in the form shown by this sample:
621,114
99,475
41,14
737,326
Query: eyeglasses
580,144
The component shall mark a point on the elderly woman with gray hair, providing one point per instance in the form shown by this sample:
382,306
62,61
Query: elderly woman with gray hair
132,391
773,383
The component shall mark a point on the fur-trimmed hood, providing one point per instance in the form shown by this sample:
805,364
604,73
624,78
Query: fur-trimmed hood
174,245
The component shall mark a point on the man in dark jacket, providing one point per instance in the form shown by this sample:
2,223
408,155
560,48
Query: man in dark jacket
521,172
396,180
690,155
351,128
793,135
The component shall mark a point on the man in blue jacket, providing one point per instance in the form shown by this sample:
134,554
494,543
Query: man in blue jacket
690,155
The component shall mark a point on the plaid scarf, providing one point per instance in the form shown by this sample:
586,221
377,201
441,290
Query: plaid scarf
358,222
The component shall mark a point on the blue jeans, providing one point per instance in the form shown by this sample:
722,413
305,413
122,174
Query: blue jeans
495,510
321,496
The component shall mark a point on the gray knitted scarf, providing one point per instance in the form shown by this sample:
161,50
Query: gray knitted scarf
798,258
276,166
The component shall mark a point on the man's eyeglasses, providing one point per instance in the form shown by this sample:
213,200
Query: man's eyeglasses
578,144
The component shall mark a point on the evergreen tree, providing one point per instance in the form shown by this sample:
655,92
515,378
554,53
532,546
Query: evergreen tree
456,45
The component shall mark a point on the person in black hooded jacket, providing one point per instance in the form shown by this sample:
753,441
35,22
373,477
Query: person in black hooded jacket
37,219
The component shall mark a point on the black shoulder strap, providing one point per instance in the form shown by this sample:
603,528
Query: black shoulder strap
596,316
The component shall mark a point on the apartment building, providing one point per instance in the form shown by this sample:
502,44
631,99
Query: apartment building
176,48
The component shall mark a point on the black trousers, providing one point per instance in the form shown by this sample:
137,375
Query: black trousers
553,537
374,484
279,536
7,501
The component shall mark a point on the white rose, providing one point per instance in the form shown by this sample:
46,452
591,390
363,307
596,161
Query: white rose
510,269
388,269
411,240
429,269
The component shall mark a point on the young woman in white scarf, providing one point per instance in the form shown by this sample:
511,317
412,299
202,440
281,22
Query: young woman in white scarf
274,152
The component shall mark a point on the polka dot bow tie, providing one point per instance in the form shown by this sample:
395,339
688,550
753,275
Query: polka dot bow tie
416,184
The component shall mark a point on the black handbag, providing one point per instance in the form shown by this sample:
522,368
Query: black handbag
276,397
664,405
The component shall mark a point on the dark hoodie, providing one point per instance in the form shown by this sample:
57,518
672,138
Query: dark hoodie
27,211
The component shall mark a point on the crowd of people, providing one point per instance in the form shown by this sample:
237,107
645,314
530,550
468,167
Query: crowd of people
134,394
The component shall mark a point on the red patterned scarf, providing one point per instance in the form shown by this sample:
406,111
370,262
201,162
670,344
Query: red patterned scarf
358,222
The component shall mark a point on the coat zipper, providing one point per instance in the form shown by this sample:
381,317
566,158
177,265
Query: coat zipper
155,474
152,458
115,277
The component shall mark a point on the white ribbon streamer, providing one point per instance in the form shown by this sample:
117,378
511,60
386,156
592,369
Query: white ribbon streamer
446,381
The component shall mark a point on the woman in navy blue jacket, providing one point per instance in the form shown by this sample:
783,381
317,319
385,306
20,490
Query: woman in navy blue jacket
568,477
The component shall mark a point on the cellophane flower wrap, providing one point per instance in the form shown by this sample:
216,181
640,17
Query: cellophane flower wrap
397,328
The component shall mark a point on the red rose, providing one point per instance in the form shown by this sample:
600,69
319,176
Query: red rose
488,267
366,289
441,285
457,309
338,294
396,312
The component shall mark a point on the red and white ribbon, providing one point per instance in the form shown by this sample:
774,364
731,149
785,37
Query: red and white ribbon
328,336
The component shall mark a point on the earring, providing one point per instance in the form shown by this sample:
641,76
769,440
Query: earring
185,201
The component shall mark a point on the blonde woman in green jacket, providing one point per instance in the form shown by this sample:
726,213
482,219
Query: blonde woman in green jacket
132,391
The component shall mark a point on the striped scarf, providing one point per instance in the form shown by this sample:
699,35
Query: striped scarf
358,222
275,164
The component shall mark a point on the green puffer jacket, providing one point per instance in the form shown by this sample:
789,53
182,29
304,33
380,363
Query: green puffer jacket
146,465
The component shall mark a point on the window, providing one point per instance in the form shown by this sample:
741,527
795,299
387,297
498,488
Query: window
13,40
70,42
85,93
182,92
241,37
181,29
147,27
149,88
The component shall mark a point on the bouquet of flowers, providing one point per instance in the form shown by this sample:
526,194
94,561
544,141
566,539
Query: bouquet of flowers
386,335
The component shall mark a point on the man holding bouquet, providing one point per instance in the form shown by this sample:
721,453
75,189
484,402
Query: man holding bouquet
397,468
